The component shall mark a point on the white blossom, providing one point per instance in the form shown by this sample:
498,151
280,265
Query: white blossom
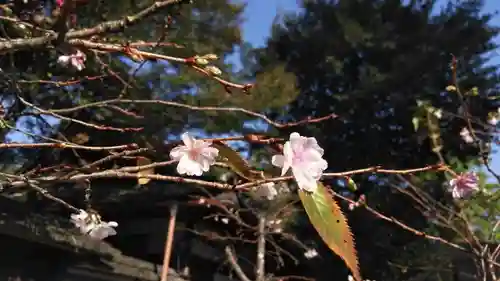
103,230
466,135
267,190
275,226
305,157
493,120
92,225
310,253
195,156
76,60
464,185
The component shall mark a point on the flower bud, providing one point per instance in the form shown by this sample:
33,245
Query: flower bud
451,88
210,57
214,70
200,60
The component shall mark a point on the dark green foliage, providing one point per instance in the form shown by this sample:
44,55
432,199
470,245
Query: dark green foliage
369,62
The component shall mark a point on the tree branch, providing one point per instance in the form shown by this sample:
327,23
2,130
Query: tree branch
261,250
105,27
233,261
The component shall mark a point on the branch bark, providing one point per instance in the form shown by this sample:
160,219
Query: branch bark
102,28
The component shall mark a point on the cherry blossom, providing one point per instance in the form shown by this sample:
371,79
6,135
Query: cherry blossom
76,60
267,190
310,253
195,156
466,135
464,185
305,157
493,120
92,225
103,230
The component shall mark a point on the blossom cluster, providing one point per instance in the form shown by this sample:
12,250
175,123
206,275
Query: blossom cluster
302,155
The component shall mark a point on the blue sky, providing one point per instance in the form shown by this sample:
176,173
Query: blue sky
259,15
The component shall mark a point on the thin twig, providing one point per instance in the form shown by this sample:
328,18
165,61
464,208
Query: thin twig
62,145
244,186
196,108
233,261
99,29
169,241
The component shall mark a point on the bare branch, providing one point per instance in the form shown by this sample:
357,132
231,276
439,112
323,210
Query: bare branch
233,261
261,250
169,242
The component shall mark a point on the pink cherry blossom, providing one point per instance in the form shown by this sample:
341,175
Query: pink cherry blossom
76,60
195,156
304,156
464,185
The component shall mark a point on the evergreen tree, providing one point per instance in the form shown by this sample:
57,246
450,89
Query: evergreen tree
372,63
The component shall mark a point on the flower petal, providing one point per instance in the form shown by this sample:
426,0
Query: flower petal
297,142
278,160
311,155
317,167
210,152
205,164
188,140
102,231
113,223
289,155
177,152
63,60
188,166
267,190
304,180
312,143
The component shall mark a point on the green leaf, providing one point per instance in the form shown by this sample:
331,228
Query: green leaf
236,162
351,184
328,220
